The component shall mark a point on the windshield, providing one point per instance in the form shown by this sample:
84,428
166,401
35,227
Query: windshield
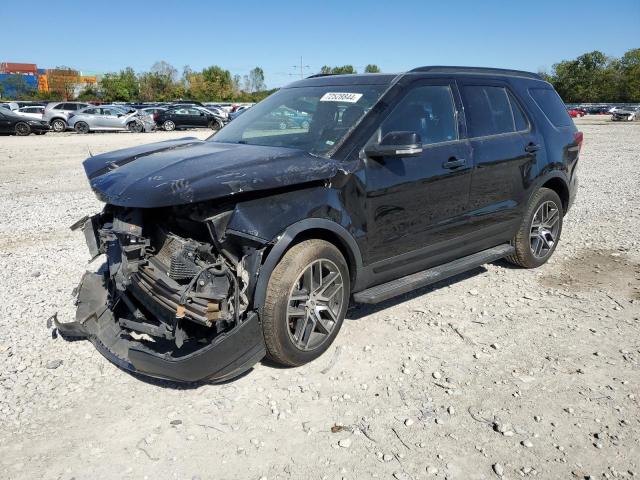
313,119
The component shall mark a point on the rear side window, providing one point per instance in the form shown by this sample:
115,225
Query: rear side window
492,110
552,105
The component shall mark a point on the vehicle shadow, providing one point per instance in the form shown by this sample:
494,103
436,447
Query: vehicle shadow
354,313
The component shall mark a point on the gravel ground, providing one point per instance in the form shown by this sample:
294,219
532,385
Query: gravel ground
498,372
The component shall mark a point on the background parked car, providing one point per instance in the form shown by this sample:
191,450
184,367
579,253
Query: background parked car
576,112
628,114
10,105
34,112
57,114
110,118
188,117
12,123
239,111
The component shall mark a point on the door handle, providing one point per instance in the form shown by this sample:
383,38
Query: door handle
532,148
454,162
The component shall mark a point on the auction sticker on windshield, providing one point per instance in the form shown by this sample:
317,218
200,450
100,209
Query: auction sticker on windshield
341,97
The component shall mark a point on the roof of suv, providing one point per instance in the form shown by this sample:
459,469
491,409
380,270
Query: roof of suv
385,78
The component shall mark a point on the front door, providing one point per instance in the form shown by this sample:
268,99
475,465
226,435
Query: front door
416,205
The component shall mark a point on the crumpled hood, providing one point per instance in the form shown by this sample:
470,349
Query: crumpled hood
189,170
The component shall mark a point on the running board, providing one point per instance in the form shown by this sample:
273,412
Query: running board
385,291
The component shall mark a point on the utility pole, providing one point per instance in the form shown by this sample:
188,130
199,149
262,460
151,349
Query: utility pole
302,67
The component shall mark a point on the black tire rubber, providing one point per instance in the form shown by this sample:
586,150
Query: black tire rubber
22,129
135,127
280,348
523,256
58,121
80,128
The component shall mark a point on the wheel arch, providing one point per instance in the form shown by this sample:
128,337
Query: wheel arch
560,186
300,231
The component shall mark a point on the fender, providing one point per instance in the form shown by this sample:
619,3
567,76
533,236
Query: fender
284,240
544,178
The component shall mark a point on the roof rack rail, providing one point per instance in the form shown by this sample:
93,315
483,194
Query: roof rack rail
317,75
481,70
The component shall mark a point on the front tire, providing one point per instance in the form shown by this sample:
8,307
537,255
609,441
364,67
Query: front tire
22,129
135,127
306,302
539,233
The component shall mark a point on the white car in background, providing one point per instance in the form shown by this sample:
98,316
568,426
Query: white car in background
33,111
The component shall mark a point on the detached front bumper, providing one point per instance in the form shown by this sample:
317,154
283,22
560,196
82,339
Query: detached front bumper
227,356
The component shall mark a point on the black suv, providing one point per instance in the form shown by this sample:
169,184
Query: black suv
254,242
188,116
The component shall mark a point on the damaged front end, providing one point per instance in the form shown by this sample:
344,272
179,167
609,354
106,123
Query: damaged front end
172,300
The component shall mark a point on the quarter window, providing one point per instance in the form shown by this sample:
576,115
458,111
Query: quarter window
552,106
491,110
428,111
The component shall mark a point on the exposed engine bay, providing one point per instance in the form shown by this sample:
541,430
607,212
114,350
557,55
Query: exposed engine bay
170,286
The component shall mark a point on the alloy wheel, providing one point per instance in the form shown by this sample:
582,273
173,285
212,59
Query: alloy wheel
544,229
22,129
314,304
58,126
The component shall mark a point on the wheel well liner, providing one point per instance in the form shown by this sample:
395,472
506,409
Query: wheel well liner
559,186
303,230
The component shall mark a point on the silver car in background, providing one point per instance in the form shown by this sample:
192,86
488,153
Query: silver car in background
57,114
110,118
34,112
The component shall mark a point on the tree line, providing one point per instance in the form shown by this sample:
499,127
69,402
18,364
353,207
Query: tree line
163,83
596,78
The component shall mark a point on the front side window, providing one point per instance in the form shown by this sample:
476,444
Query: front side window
428,111
90,111
489,111
313,119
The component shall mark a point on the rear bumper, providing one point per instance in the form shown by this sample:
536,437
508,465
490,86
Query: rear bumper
227,356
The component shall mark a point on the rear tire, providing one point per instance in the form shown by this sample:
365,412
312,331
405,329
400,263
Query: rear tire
168,125
22,129
306,302
539,233
58,125
215,125
81,128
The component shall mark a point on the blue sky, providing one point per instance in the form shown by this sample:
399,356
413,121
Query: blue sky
110,35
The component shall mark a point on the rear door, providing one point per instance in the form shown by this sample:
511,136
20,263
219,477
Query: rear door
504,150
416,205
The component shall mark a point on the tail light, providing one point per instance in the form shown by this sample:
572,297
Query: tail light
578,137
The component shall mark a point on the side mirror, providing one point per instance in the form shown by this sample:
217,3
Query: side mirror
396,144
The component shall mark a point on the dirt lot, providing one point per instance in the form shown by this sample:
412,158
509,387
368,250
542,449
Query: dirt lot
499,372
